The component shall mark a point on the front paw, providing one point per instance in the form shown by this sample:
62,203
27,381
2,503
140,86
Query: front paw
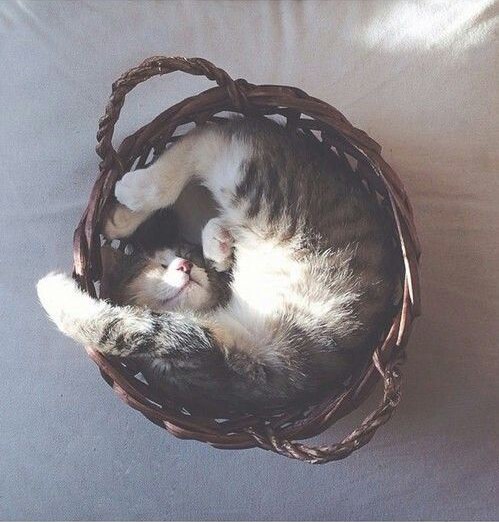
135,191
218,244
54,292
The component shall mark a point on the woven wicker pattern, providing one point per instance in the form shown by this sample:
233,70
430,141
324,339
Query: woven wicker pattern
318,120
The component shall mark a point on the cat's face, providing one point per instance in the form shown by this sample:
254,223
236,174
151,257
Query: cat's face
167,280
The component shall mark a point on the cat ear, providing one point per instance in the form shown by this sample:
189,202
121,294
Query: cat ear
112,259
112,270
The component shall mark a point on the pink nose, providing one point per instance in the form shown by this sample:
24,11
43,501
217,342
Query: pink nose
183,265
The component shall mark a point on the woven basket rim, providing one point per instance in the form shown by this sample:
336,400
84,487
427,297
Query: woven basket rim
281,432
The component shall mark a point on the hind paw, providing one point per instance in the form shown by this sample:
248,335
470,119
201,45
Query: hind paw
137,191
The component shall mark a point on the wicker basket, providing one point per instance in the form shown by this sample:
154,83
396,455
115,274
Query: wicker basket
318,120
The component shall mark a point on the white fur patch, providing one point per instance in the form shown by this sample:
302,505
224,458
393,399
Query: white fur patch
67,305
217,244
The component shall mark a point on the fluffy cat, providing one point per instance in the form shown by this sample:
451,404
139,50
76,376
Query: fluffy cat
313,267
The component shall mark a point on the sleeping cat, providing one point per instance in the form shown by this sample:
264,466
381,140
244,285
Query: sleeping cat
313,272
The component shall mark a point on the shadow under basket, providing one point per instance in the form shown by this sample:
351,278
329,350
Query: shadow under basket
350,148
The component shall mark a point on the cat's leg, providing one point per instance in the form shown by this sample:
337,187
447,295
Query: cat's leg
217,244
158,186
205,154
122,331
74,312
143,191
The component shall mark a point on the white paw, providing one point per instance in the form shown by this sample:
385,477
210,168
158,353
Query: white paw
122,222
72,310
136,191
217,244
55,291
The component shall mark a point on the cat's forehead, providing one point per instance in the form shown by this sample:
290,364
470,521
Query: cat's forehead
165,255
187,251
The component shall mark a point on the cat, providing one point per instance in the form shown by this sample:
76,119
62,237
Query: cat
312,261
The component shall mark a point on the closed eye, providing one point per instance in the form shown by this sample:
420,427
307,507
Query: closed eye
164,266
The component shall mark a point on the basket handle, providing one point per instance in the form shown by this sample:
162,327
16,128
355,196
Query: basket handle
154,66
266,438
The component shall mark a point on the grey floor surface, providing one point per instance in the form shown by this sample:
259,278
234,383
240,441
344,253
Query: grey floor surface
421,78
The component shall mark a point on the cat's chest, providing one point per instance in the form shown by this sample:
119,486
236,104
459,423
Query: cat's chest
266,275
